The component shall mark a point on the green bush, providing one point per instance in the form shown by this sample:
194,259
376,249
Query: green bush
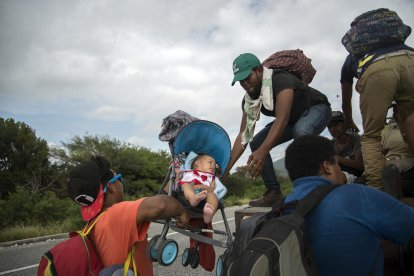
26,208
50,208
18,208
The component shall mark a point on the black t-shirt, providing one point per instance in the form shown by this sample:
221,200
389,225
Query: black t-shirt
349,70
304,96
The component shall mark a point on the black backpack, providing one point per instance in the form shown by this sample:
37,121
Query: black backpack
374,30
274,243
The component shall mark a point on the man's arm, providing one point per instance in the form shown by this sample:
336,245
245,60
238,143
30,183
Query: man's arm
355,164
162,207
384,215
283,107
346,88
237,149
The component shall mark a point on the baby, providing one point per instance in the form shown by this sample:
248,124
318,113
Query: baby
199,184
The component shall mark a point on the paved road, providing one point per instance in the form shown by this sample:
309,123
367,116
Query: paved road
23,259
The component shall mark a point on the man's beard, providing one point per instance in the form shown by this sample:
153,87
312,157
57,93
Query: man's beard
255,94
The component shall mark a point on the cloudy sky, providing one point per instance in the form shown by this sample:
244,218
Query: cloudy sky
118,68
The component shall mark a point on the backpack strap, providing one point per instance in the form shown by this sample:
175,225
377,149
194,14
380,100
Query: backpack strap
89,225
131,254
130,258
306,204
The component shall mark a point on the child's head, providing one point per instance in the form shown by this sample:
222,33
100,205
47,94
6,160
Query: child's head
204,163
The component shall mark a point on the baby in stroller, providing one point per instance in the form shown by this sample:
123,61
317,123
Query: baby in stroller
199,183
197,147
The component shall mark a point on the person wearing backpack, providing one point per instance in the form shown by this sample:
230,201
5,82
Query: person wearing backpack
345,230
298,108
122,224
385,68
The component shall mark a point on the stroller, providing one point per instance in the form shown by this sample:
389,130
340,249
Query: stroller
198,136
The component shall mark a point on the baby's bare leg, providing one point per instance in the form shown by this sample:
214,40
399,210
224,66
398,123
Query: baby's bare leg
210,208
191,196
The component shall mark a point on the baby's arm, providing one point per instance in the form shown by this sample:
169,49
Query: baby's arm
213,185
190,194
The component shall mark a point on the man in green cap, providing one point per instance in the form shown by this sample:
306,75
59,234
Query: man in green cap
298,109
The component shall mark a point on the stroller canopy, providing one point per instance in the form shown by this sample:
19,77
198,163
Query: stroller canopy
204,137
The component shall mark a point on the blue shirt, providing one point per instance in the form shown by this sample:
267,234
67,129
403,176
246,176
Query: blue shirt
345,229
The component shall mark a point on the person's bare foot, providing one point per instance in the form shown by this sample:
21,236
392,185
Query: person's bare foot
198,198
208,213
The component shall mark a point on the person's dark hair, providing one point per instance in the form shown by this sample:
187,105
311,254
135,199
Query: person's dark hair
305,155
104,167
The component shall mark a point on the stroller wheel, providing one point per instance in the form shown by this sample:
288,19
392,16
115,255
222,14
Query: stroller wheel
195,260
167,252
151,251
219,266
186,257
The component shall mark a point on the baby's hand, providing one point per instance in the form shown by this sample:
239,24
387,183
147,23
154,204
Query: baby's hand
200,187
202,194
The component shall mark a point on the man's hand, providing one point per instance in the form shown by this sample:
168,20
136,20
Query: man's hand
183,219
209,189
255,163
351,126
340,159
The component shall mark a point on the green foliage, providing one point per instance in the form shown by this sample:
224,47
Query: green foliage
143,169
240,184
285,185
23,158
27,208
33,199
50,208
241,188
81,148
18,208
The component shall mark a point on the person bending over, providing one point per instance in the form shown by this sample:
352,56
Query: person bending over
298,109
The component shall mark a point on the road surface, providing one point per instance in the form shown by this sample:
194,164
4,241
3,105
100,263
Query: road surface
23,259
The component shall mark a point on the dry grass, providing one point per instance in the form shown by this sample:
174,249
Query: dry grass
25,232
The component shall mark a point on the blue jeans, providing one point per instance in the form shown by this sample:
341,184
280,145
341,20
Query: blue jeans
312,121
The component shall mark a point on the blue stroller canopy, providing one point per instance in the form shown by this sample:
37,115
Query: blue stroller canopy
204,137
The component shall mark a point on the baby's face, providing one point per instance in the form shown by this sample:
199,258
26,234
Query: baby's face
206,164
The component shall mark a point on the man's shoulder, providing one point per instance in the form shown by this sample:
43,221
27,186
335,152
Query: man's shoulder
360,193
353,193
279,75
125,205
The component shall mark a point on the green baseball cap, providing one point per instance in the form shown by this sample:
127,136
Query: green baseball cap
243,65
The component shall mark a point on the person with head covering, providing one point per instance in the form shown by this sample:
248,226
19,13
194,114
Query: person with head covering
347,146
122,224
298,110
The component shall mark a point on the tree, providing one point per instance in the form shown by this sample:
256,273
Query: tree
23,158
143,170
